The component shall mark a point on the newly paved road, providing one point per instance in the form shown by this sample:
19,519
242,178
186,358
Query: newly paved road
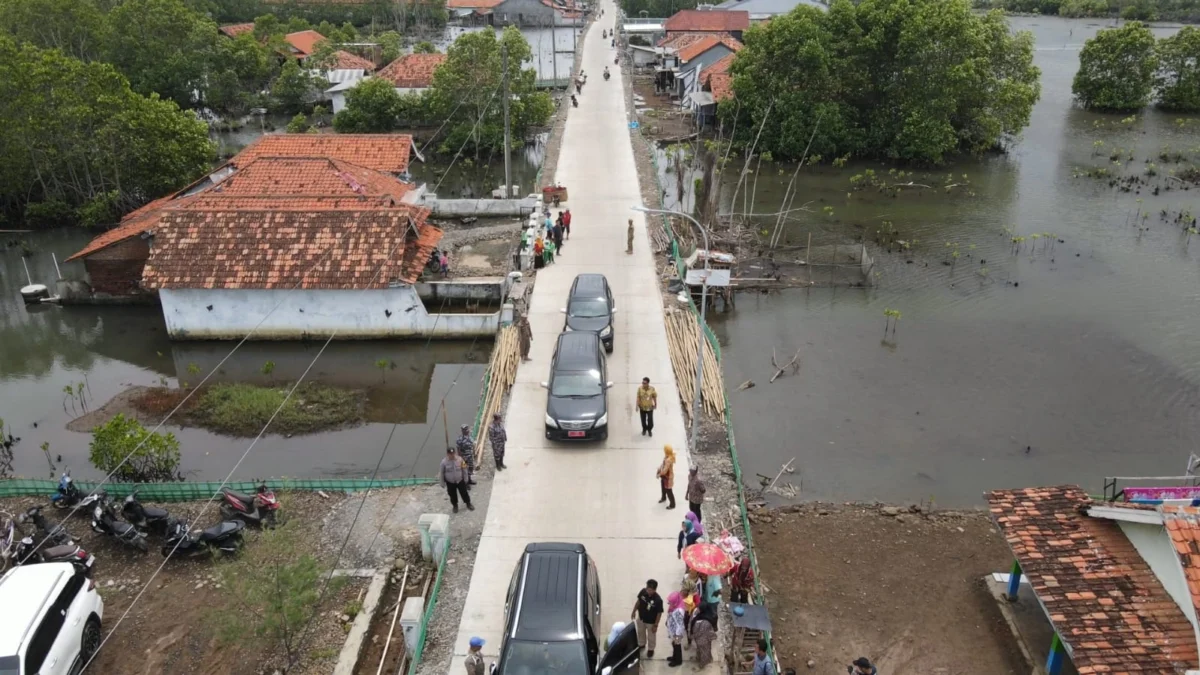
603,496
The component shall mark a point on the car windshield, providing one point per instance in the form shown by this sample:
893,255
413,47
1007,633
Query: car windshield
537,658
585,383
10,665
589,308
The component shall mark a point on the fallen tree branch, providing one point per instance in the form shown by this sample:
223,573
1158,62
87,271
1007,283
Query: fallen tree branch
793,364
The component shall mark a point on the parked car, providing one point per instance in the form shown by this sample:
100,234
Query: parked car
51,619
590,308
577,405
552,618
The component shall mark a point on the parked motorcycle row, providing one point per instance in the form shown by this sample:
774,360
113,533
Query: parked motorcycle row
30,538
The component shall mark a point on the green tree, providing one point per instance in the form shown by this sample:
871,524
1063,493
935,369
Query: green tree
392,45
472,75
425,47
242,66
295,87
298,124
372,106
135,455
914,80
1177,81
268,25
1116,69
77,27
171,53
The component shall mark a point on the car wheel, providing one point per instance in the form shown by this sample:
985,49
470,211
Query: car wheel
90,641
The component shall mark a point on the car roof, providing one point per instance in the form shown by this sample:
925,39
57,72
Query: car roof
25,593
578,350
550,594
589,284
555,546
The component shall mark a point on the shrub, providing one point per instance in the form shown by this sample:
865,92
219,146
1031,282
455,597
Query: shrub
152,457
243,409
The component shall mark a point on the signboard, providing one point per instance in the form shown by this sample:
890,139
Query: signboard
715,277
1159,493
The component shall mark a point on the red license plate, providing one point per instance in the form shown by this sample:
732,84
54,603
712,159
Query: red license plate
576,434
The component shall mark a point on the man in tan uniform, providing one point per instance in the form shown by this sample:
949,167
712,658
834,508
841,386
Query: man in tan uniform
629,237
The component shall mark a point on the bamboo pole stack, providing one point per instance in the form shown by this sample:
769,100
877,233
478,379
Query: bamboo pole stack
683,336
506,356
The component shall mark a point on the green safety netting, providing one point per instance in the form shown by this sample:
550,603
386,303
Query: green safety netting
430,604
190,491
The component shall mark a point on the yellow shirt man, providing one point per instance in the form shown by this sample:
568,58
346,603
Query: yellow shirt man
647,401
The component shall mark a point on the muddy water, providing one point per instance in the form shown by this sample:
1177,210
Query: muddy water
44,349
1064,362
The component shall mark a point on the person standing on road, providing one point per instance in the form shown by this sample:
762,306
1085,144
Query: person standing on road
474,660
676,628
647,401
704,631
695,492
647,611
741,581
629,237
453,474
466,450
497,436
558,237
862,666
666,476
567,223
524,336
687,536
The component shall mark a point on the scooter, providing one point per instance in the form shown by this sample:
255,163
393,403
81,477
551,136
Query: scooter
55,536
224,537
68,494
256,509
28,553
105,521
606,75
148,518
574,101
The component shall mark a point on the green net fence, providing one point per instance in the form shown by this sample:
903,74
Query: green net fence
430,604
192,491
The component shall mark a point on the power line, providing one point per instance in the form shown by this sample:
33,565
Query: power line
468,138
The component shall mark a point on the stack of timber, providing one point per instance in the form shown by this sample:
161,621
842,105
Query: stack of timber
501,373
683,339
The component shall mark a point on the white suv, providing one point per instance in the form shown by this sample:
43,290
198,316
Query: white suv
50,624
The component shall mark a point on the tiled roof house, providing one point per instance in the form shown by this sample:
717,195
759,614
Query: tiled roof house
388,153
1119,582
236,29
708,21
303,43
717,80
412,72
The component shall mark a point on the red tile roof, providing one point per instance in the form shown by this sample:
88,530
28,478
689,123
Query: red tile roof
718,80
412,71
708,21
472,4
304,42
1183,526
1098,592
344,60
269,249
236,29
704,44
382,152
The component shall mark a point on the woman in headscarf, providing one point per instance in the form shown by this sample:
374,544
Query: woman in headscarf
687,537
741,581
666,476
704,631
676,627
697,527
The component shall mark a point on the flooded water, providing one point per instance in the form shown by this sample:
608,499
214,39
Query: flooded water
45,348
1060,363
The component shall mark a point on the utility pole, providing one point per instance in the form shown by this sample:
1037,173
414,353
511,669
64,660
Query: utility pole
554,48
507,138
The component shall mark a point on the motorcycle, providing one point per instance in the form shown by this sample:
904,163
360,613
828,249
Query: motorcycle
256,509
29,554
606,75
55,536
147,518
68,494
105,521
574,101
224,537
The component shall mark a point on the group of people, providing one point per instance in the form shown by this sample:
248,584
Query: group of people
457,472
550,238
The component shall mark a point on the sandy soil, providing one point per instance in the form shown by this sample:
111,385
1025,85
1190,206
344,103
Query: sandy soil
905,591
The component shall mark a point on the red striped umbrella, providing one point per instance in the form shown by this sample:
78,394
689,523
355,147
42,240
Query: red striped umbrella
707,559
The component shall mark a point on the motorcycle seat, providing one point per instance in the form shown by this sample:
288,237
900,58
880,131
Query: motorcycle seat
221,530
54,552
154,512
123,529
241,497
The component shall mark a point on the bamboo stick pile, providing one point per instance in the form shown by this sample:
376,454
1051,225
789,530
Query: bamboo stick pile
683,334
506,356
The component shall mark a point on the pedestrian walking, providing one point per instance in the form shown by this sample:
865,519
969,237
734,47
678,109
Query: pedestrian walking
558,239
539,252
666,477
474,660
647,401
444,263
524,336
466,450
547,223
567,222
687,536
453,474
647,610
762,662
704,631
497,436
676,628
741,581
629,237
550,249
695,492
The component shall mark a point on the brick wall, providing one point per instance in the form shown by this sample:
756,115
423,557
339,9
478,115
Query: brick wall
117,270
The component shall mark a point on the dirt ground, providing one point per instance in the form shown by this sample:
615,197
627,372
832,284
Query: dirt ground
660,117
905,591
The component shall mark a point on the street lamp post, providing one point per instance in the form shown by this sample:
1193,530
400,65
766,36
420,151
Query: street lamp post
703,307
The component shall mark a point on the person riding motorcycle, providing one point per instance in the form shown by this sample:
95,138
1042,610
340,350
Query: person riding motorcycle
606,72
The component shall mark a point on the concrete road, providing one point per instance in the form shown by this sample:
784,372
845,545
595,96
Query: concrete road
604,496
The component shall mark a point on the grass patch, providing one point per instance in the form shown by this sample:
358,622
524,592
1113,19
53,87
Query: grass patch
243,409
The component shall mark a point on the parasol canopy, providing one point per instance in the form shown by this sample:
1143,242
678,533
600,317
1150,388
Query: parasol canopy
707,559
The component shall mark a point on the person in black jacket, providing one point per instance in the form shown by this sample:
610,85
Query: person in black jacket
687,536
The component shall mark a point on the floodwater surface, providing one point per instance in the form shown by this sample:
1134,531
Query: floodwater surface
1064,360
